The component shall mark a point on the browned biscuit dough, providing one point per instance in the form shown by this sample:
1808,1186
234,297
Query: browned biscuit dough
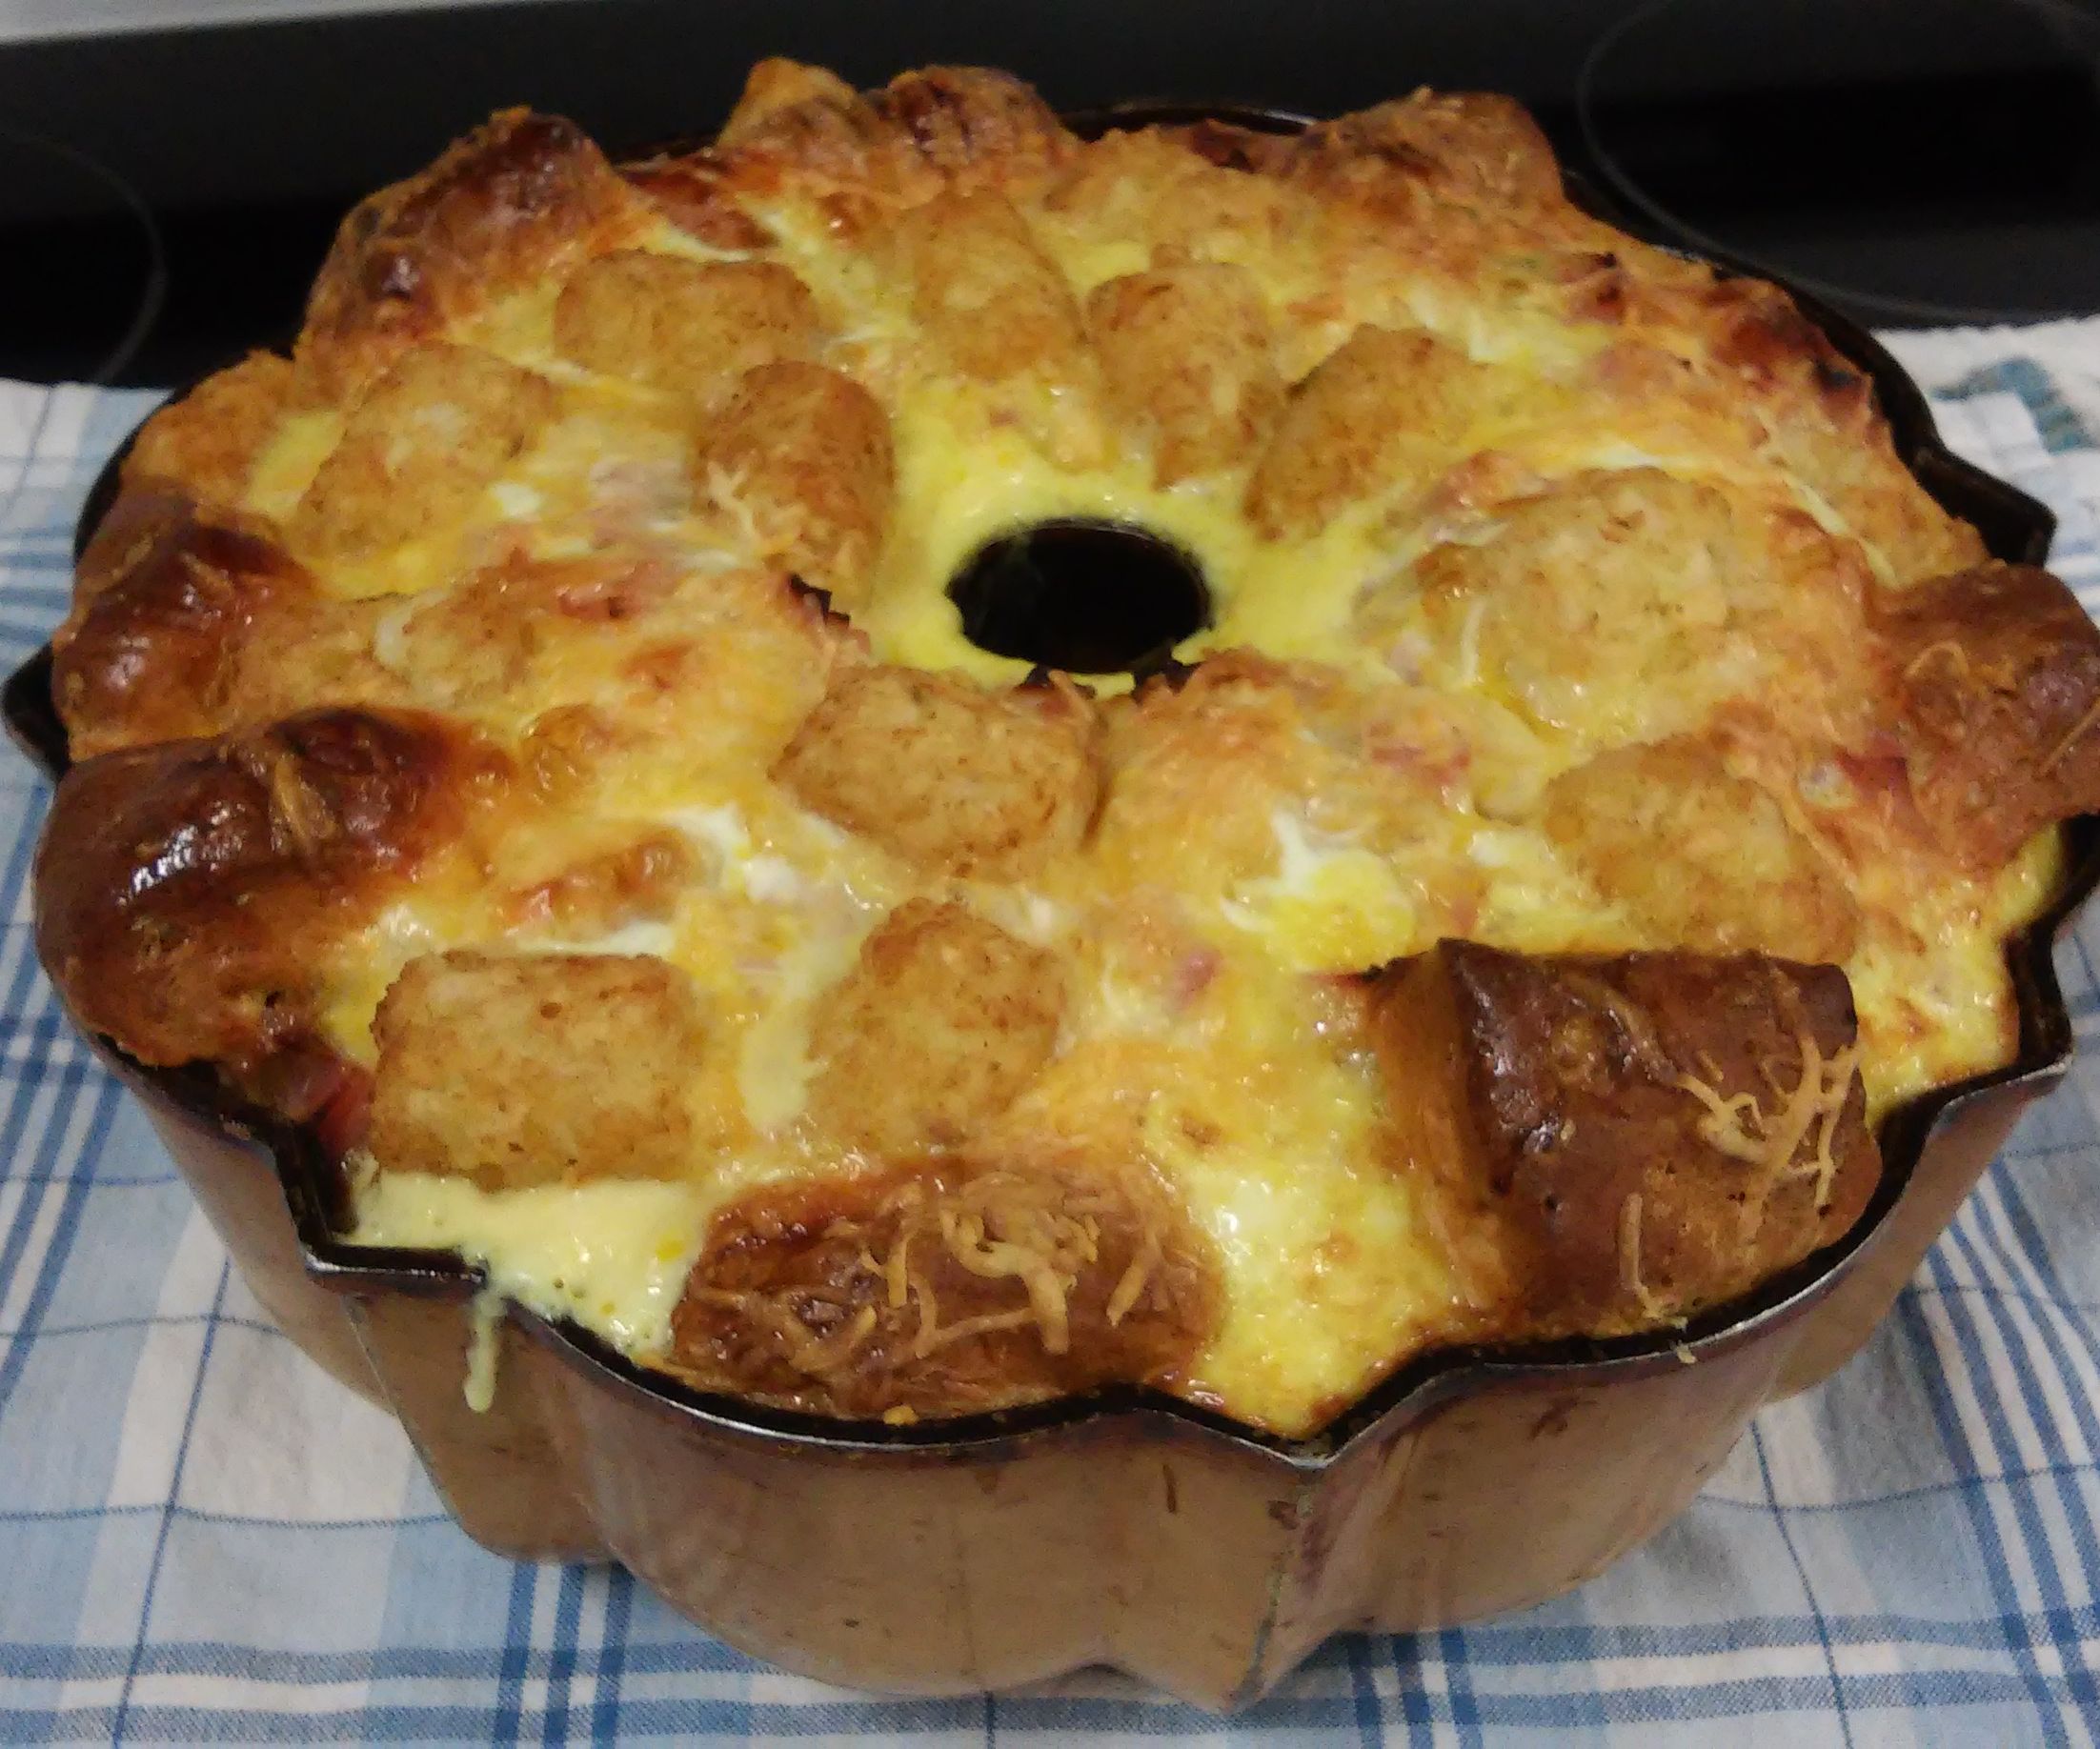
1997,678
189,894
943,1289
1648,1133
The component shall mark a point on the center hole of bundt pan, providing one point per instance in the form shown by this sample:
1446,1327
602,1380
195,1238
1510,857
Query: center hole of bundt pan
1089,597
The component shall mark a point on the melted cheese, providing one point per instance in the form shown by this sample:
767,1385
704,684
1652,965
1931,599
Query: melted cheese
611,1256
287,467
1327,905
1273,1148
1218,1071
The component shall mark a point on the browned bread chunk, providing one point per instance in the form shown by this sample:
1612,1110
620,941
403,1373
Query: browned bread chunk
941,1022
1998,687
946,774
1824,421
803,452
1701,859
692,192
209,438
164,600
944,1290
516,1070
1384,410
1475,149
418,449
693,327
937,126
188,893
488,217
1185,355
955,120
1651,1133
184,627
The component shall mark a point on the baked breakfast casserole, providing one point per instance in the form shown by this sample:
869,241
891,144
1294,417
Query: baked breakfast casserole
908,763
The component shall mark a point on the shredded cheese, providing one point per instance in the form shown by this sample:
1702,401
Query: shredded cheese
484,1334
1268,1138
1629,1260
1739,1127
2072,737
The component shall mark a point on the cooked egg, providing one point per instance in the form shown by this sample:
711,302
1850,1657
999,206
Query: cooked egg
1248,1107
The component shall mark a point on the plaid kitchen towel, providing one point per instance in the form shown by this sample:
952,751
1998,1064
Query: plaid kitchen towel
202,1538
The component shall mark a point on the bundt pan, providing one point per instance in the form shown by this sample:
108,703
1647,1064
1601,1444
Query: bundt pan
1125,1528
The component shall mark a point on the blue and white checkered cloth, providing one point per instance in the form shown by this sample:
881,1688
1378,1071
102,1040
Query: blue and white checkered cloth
201,1536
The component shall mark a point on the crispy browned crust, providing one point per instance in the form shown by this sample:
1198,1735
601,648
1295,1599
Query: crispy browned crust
1478,150
776,87
936,127
183,626
693,191
899,1294
494,213
1826,423
1581,1107
960,119
209,438
1997,676
516,1070
1228,146
869,155
189,895
164,604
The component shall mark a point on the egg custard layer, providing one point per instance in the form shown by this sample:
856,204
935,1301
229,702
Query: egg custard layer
728,955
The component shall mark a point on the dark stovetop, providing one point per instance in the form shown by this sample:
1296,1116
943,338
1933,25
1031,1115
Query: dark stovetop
1917,160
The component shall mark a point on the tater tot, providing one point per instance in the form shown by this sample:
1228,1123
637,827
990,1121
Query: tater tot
690,327
942,1020
946,774
536,1069
1701,858
1384,409
1185,355
803,452
428,437
984,288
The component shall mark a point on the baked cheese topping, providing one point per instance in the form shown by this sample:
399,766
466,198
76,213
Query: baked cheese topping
1609,542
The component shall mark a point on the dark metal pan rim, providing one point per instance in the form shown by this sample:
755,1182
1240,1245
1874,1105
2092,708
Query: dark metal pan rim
2014,526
